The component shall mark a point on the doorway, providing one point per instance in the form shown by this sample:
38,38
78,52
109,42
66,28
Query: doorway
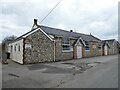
105,50
79,51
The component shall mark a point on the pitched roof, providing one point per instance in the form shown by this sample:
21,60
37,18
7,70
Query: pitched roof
109,41
118,42
60,32
64,33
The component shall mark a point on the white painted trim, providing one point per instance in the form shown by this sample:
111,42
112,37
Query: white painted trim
66,51
34,26
78,42
41,31
87,50
81,40
30,33
66,44
46,34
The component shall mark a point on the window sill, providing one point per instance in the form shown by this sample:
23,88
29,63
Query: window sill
87,50
66,51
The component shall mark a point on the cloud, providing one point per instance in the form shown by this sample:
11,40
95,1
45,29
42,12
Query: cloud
98,17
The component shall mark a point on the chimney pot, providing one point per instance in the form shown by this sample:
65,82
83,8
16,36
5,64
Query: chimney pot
90,34
71,30
35,21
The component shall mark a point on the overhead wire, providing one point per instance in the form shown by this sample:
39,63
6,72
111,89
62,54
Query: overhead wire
50,11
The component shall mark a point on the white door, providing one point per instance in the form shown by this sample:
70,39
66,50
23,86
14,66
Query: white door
105,50
79,52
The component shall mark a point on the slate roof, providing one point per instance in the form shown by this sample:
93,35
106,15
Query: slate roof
109,41
64,33
118,42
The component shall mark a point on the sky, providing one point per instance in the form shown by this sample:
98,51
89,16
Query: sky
98,17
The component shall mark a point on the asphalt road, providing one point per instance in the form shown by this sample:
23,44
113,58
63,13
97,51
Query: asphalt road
104,75
95,72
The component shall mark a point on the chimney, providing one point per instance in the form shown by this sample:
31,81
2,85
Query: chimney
90,34
71,30
35,21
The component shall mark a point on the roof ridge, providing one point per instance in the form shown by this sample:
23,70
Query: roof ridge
108,39
96,37
62,30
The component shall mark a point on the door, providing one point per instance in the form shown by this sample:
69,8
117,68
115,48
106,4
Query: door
79,51
105,50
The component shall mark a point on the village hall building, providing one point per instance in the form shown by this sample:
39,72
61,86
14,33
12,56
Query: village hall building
46,44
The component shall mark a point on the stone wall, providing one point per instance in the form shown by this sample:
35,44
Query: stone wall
94,51
59,54
38,48
113,49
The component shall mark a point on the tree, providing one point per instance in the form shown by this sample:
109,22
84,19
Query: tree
9,39
4,45
6,41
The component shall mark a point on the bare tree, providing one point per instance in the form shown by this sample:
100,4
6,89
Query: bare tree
6,41
4,45
9,39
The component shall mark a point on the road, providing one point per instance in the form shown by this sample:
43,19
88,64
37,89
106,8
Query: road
95,72
104,75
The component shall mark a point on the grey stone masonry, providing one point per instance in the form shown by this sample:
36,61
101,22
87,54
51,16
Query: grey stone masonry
59,54
38,48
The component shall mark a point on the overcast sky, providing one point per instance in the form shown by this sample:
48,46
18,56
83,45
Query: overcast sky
99,17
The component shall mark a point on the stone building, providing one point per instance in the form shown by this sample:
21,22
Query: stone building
46,44
110,47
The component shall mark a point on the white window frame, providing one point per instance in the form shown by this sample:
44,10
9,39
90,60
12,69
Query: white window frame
66,49
64,44
94,46
87,45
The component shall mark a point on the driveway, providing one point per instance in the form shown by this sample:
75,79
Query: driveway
61,74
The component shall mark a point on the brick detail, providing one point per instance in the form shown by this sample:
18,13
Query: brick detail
83,51
75,52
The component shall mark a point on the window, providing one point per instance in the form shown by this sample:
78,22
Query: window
15,47
87,48
66,45
93,46
19,48
99,47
